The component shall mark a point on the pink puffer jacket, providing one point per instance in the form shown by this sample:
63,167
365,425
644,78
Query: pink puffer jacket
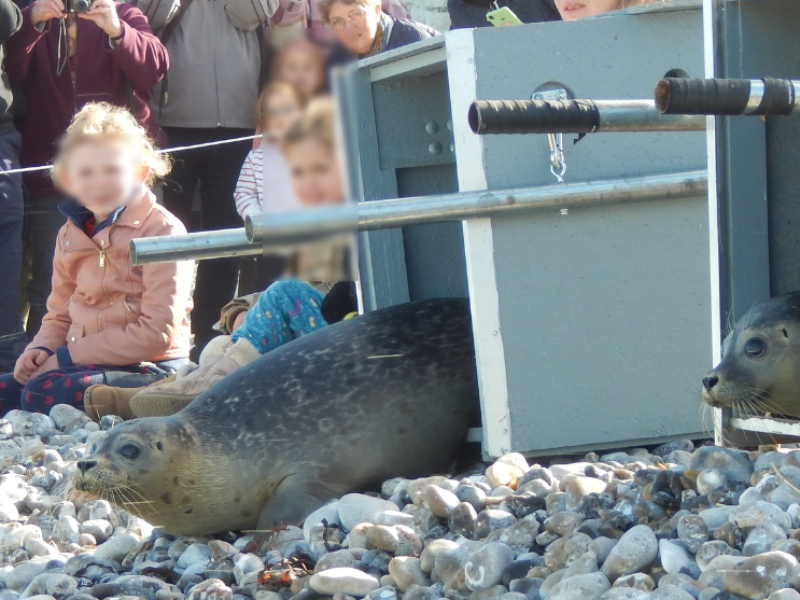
105,311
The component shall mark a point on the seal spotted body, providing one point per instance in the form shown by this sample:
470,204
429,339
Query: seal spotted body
760,367
390,393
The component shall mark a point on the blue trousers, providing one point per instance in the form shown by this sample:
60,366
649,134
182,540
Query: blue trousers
12,336
285,311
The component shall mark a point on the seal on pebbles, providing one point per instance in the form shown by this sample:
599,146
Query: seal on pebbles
390,393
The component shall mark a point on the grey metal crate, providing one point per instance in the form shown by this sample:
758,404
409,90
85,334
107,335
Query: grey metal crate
592,328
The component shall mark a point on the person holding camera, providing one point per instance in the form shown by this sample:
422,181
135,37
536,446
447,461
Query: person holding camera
66,54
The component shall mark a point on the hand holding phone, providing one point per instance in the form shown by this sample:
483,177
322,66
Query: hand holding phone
503,17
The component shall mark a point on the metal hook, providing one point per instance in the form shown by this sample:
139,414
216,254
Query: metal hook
553,92
558,165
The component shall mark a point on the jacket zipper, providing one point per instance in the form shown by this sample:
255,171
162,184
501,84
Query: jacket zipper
102,283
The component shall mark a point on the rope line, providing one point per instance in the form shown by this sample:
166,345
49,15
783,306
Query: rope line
160,151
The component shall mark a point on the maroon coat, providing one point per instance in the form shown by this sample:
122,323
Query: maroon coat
100,75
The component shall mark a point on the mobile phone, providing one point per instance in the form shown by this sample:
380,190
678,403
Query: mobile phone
503,17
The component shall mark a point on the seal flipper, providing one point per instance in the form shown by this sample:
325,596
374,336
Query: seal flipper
292,501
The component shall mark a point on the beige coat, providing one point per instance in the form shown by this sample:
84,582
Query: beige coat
107,311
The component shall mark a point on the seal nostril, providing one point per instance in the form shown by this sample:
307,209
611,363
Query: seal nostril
710,381
85,465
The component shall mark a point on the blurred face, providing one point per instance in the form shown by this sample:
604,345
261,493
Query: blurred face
316,177
281,110
102,175
302,66
572,10
355,25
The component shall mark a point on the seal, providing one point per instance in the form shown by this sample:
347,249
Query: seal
390,393
760,367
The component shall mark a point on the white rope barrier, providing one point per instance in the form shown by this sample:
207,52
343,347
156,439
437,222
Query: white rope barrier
162,151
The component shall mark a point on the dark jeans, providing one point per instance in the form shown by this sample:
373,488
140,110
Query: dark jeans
67,385
12,336
464,15
42,222
214,172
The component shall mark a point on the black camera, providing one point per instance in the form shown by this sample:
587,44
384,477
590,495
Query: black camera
77,6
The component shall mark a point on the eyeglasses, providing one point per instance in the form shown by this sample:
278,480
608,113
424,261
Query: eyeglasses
356,17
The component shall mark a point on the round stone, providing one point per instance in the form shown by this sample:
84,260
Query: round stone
693,532
756,578
485,567
407,571
635,551
344,580
673,557
398,540
440,501
433,549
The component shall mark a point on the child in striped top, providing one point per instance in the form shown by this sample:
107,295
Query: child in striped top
264,182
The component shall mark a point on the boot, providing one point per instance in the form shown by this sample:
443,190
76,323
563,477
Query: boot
168,399
102,400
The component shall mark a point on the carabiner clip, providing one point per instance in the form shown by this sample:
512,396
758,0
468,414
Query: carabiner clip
558,166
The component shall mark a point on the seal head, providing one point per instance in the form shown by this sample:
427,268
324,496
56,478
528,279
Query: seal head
128,467
760,368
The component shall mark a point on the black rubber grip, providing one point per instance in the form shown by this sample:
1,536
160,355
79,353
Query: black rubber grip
677,96
778,97
533,116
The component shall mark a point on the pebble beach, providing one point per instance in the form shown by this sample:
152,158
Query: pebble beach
678,522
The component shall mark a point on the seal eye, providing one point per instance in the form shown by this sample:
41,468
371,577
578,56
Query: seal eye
130,451
755,347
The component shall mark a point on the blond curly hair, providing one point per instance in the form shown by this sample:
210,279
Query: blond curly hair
98,120
317,123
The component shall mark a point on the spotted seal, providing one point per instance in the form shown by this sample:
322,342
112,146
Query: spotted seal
386,394
760,367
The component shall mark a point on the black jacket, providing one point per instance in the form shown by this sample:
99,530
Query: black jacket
10,22
402,32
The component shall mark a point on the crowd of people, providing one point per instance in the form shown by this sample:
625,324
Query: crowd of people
99,87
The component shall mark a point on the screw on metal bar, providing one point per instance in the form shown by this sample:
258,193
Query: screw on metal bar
435,148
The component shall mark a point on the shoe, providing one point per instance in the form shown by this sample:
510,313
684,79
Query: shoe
102,400
172,397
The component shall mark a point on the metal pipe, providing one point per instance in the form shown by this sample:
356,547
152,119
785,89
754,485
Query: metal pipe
574,116
766,96
642,115
293,228
202,245
289,228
